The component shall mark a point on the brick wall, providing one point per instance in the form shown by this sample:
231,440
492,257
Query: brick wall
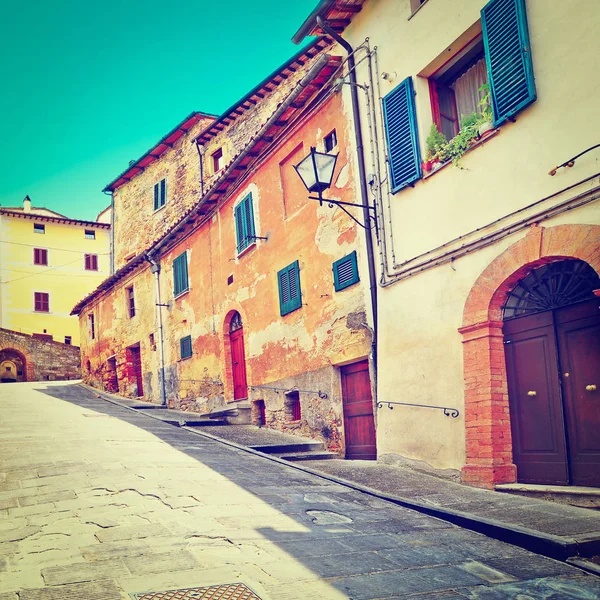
40,359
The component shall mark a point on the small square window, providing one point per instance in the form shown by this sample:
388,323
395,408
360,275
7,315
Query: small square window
160,194
40,257
91,262
330,141
217,160
90,234
185,346
39,228
68,340
41,302
345,272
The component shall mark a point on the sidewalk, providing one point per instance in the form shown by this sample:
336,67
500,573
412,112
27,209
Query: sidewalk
548,528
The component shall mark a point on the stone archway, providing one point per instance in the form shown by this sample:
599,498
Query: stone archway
21,354
487,419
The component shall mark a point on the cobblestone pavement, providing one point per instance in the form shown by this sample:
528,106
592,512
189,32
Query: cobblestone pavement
98,502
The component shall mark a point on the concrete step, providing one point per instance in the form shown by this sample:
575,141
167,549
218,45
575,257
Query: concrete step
584,497
316,455
289,448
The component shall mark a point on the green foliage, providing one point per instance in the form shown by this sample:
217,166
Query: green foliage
460,143
485,104
435,140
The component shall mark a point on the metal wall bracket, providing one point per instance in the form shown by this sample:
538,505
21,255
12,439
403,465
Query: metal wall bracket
449,412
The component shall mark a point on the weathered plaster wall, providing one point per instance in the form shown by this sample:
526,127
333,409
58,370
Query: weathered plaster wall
38,359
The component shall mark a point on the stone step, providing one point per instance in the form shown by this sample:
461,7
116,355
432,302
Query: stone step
574,495
311,455
289,448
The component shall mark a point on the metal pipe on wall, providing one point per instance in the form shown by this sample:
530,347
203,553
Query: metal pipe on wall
155,269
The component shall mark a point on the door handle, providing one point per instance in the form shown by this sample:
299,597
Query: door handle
532,393
591,387
235,362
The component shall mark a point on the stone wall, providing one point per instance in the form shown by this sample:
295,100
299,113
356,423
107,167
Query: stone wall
37,359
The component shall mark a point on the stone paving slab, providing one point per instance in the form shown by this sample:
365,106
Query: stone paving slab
158,507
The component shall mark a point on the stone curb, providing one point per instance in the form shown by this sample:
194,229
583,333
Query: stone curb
552,546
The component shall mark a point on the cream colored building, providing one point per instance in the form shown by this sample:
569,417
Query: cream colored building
48,262
468,253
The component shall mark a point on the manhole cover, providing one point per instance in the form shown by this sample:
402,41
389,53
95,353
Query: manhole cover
231,591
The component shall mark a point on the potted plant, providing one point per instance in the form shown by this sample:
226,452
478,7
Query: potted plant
435,140
461,142
487,115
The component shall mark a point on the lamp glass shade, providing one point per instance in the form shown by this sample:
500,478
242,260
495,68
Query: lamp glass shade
316,170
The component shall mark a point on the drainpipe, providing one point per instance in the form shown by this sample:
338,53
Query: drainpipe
112,231
155,269
362,178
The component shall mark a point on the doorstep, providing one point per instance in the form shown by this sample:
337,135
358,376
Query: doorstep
574,495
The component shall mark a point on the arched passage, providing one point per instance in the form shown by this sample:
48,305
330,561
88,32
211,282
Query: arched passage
21,359
489,449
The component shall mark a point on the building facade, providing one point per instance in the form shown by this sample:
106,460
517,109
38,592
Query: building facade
48,262
231,287
489,232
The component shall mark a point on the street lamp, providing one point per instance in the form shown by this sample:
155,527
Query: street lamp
316,172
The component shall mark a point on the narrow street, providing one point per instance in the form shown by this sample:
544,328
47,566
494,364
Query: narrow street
98,502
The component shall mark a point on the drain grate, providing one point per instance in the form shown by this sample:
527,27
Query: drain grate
231,591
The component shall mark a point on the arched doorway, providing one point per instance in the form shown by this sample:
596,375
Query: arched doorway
13,366
552,348
238,359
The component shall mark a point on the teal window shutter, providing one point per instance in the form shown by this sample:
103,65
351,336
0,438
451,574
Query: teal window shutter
163,192
345,272
185,346
180,275
244,223
508,57
400,121
290,295
156,196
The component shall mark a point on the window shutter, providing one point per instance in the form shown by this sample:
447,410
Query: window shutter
508,57
290,295
185,346
249,214
239,227
156,196
180,274
163,192
87,262
244,223
345,272
94,258
400,122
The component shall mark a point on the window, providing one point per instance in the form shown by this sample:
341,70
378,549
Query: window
91,262
244,223
292,408
345,272
502,56
91,326
290,295
330,141
68,340
130,302
217,160
180,275
41,302
40,257
416,4
185,346
39,228
89,234
160,194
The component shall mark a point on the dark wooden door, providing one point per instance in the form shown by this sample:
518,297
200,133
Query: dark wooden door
136,361
578,332
536,413
359,424
238,365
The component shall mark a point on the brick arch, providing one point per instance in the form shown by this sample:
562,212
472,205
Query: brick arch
25,355
487,417
226,347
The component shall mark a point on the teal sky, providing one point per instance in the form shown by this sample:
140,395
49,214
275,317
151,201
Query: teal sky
88,86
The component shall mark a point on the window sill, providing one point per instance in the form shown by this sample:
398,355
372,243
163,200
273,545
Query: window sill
157,210
246,249
477,144
184,358
181,294
417,10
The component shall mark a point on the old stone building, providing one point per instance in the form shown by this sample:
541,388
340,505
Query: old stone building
231,288
481,116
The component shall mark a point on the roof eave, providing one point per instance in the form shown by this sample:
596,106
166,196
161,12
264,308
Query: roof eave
310,22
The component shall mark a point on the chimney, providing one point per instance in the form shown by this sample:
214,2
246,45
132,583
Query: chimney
27,204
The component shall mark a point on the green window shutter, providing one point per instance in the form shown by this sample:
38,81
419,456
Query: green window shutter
345,272
239,227
508,57
163,192
180,274
185,346
244,223
290,295
156,196
400,121
249,212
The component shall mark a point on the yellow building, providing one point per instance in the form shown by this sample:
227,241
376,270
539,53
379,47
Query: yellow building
48,262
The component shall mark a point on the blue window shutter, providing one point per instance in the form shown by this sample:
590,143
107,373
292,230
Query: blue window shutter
185,346
345,272
249,212
508,57
290,295
156,196
400,120
180,274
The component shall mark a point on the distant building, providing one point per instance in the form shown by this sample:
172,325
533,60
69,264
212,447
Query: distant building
47,262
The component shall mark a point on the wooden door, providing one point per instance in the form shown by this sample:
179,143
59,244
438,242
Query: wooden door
536,414
578,332
238,366
136,361
359,423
